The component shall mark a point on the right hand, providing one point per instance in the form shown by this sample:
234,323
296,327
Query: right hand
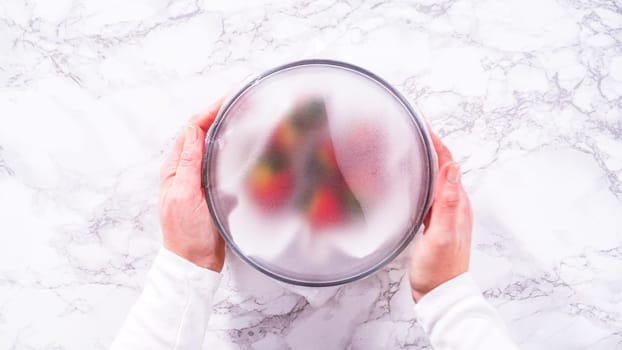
186,222
443,251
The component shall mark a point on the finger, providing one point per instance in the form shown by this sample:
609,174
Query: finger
169,167
443,153
205,119
447,202
464,223
188,172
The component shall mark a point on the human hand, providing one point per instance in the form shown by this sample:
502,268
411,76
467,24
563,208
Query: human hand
443,251
186,223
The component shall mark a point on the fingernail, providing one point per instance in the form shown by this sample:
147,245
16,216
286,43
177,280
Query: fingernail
191,133
453,173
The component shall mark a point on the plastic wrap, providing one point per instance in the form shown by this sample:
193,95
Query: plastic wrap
317,173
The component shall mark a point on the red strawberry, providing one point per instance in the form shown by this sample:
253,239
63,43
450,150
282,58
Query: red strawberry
271,182
324,208
285,137
326,157
322,165
292,130
308,114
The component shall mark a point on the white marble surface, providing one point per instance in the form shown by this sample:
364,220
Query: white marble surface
527,94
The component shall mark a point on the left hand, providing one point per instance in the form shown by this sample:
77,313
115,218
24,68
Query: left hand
444,249
186,222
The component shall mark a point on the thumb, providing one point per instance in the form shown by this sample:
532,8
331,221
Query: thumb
189,168
448,196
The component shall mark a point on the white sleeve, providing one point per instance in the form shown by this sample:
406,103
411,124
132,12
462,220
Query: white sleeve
174,308
456,316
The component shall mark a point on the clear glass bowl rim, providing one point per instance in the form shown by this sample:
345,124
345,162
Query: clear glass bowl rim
417,120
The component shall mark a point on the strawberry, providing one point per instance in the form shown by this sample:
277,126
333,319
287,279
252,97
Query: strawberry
324,208
322,164
285,137
308,114
329,198
326,157
271,181
291,131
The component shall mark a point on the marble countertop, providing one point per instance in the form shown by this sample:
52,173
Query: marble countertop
526,93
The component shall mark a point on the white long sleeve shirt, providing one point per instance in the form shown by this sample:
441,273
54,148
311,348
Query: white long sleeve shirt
174,308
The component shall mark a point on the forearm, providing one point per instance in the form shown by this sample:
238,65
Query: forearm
174,308
456,316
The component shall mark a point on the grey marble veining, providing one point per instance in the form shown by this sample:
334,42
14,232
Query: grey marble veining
527,94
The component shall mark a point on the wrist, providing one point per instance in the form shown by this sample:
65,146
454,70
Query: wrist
206,260
417,295
420,291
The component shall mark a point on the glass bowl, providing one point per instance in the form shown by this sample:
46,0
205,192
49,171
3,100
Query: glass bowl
318,173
